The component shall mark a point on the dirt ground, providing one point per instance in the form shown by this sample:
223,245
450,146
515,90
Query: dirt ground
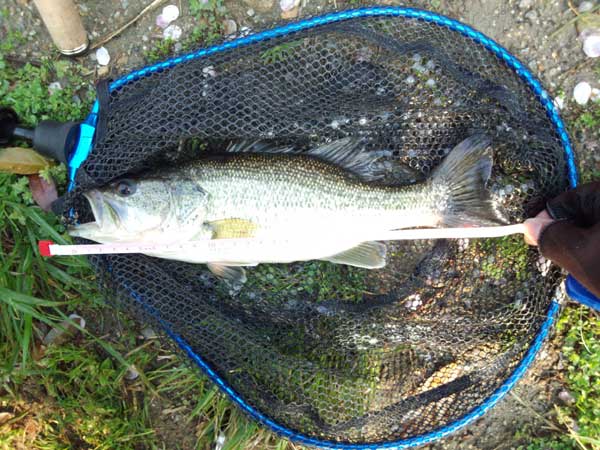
522,26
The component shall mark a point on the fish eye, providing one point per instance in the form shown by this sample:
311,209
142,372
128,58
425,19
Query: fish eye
125,188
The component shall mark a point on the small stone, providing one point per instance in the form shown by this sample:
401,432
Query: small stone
526,4
209,71
250,12
260,5
172,32
145,38
148,333
566,397
229,26
582,92
132,373
102,56
103,71
122,60
532,16
5,417
585,6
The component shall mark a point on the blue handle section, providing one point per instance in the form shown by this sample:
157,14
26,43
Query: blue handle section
580,294
87,131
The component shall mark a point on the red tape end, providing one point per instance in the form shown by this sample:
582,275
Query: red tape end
44,247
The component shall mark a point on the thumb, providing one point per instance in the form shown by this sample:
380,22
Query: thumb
534,227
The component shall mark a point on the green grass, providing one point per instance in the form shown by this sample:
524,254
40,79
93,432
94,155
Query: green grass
579,331
279,52
77,394
208,28
582,353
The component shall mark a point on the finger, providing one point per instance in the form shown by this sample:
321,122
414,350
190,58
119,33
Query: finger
533,228
543,215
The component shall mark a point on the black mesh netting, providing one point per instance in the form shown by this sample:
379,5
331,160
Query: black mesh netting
334,352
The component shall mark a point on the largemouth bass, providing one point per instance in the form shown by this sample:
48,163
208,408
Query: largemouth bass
321,203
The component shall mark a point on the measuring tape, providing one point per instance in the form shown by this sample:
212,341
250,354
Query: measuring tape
214,246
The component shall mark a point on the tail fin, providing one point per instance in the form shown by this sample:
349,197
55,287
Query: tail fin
463,176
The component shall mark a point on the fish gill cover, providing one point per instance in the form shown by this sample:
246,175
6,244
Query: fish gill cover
328,352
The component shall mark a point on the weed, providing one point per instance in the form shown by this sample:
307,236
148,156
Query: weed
280,52
161,50
208,17
589,119
318,280
582,353
497,254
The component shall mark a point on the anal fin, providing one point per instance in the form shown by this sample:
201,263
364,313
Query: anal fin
233,274
368,255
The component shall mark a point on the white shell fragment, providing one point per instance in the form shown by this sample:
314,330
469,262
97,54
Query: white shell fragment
559,102
54,86
582,92
162,22
230,26
102,56
287,5
172,32
62,331
170,13
220,441
591,43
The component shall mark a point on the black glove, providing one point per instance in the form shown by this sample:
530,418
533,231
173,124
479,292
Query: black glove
573,241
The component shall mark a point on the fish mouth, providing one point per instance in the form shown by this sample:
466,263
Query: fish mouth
105,216
98,205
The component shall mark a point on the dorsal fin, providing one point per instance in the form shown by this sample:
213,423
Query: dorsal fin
258,147
350,155
347,153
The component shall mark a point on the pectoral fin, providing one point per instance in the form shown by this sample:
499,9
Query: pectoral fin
368,255
233,274
232,228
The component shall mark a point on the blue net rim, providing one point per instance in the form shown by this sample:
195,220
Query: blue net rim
82,151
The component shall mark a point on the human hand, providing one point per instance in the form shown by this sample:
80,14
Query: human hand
568,233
